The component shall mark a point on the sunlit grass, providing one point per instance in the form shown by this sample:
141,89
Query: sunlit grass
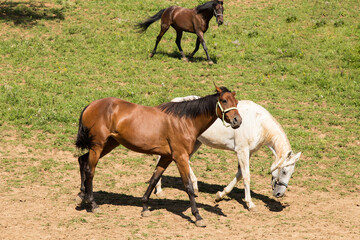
299,60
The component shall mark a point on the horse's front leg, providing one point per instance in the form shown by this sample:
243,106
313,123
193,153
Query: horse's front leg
161,166
158,190
243,171
202,41
243,157
192,175
182,163
160,193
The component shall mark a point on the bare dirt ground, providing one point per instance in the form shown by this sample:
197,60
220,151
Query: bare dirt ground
37,202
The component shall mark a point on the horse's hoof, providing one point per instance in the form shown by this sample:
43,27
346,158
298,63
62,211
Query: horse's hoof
185,59
252,209
200,223
145,213
79,201
151,55
210,62
218,198
96,210
160,194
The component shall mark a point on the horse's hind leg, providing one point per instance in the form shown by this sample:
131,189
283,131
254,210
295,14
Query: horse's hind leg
202,41
178,43
160,168
94,155
229,187
158,190
164,28
82,161
196,48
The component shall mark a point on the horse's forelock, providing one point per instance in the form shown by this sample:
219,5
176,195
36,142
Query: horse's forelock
224,89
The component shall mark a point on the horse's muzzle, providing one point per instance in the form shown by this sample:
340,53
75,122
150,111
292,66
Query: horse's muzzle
236,122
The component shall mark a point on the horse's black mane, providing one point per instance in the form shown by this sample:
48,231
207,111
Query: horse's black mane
205,6
193,108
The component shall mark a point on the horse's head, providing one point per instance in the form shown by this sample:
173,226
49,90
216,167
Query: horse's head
226,107
218,11
281,173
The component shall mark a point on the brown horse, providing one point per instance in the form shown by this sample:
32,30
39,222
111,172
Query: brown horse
194,20
169,130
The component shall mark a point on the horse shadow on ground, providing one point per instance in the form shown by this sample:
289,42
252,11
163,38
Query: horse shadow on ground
237,194
177,55
27,13
177,207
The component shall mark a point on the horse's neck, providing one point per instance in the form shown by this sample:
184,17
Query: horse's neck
202,123
207,15
277,140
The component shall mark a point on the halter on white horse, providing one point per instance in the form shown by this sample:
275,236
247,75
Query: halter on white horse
279,166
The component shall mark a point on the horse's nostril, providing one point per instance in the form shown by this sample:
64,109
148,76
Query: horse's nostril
237,120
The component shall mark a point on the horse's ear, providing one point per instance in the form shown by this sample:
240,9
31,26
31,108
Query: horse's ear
297,156
218,90
233,93
288,154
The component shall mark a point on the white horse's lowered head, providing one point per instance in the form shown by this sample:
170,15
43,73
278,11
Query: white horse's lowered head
258,128
281,173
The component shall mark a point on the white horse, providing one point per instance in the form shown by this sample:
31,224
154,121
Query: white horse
258,128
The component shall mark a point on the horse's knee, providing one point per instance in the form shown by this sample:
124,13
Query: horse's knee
190,189
144,200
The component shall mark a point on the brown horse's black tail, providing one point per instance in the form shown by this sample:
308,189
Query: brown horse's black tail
84,139
142,26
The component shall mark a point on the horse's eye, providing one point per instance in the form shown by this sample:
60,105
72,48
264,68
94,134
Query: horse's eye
224,101
284,172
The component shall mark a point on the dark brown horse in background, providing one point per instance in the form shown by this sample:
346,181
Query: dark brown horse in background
169,130
194,20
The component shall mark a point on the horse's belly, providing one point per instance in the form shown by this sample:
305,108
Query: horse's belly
146,148
143,144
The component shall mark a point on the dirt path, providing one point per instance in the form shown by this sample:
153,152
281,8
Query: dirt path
38,203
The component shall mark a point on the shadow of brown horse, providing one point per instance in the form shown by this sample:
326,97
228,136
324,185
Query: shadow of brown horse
177,207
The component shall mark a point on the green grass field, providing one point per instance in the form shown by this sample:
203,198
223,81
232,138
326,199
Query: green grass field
300,60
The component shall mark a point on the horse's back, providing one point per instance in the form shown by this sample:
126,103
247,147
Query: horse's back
104,107
249,134
258,126
179,18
